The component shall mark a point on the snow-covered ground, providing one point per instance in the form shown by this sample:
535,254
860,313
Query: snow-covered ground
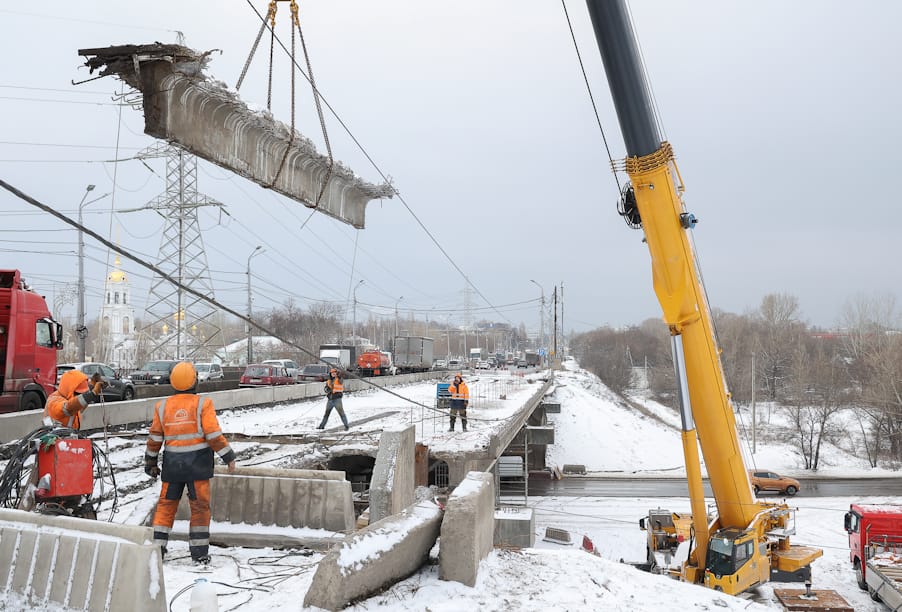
595,428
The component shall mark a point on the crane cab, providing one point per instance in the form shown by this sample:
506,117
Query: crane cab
734,563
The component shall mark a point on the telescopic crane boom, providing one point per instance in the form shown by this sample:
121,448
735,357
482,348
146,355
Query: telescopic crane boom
747,542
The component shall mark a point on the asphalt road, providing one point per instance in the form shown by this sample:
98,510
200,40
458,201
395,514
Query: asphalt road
673,487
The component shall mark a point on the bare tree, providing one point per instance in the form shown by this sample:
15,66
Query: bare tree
781,330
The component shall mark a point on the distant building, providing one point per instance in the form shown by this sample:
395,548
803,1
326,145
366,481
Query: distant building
117,321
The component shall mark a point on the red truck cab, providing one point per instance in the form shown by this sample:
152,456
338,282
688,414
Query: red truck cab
866,522
29,340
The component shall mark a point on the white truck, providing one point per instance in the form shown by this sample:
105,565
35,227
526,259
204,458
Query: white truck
343,356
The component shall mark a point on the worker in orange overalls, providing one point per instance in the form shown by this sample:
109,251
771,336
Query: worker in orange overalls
186,424
460,399
74,393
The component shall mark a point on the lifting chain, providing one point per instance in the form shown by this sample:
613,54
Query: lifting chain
270,20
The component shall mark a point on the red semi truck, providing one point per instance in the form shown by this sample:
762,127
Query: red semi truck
29,340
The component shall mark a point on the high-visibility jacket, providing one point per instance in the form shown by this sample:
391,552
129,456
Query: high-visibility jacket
460,393
187,425
335,387
63,405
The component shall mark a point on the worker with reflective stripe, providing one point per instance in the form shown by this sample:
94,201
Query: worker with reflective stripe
334,389
74,393
460,399
186,424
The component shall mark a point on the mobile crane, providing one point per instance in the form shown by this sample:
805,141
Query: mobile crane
747,542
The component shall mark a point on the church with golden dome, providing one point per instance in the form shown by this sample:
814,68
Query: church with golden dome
117,320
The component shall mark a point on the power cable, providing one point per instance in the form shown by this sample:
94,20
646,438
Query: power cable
205,298
366,154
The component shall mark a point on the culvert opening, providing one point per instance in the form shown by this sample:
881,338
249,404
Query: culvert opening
358,471
438,473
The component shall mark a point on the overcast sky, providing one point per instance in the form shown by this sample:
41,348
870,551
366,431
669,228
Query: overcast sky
783,116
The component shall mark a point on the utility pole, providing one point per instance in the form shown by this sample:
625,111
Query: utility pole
541,315
81,332
247,326
396,321
754,420
563,333
354,317
555,323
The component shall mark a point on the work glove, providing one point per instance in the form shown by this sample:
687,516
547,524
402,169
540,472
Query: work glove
327,390
466,403
98,384
150,466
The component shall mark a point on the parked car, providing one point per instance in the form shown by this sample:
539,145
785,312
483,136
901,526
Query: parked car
265,375
288,364
482,364
154,372
521,363
119,388
439,364
770,481
208,371
314,372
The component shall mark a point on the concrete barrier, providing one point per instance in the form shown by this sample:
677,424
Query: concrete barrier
78,564
375,557
515,527
392,484
280,498
468,529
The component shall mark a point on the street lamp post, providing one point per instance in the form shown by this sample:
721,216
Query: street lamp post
81,332
247,326
541,315
354,317
396,315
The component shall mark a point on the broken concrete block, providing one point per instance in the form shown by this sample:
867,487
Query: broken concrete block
392,485
515,527
468,528
185,107
375,557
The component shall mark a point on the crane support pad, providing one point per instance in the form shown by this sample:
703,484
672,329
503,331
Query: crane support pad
185,107
796,557
817,600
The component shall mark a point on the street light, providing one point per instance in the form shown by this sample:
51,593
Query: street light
541,315
354,317
247,326
396,316
81,332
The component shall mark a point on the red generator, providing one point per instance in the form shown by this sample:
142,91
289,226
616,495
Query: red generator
66,469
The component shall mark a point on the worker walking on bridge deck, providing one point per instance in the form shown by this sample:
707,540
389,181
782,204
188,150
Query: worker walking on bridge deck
334,390
460,399
186,423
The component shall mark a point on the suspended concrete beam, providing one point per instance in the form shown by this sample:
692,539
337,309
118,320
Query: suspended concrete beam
183,106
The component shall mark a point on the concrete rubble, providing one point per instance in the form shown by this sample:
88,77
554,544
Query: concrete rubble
375,557
184,106
392,485
468,528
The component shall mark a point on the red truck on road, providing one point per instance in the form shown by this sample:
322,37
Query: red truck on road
29,340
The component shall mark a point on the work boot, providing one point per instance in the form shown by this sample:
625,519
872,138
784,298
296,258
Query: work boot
452,424
163,552
465,426
201,560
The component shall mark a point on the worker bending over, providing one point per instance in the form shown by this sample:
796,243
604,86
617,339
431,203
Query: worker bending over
74,393
187,426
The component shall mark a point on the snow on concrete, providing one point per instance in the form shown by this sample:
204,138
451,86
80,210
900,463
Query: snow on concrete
596,428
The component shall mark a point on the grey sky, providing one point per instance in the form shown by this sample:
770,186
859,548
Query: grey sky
783,117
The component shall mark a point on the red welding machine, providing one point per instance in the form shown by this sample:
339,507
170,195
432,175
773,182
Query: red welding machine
66,468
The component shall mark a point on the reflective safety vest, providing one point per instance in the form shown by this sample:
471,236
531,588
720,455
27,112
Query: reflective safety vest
335,386
187,425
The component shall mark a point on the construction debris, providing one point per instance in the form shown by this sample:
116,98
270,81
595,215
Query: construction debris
184,106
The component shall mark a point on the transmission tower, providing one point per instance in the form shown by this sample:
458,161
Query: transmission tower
178,324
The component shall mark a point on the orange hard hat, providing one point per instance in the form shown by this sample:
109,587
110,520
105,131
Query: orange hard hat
183,376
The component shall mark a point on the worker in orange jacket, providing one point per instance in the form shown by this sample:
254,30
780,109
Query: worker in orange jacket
186,424
74,393
334,389
460,399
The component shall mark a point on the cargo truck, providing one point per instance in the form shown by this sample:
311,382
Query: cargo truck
875,550
29,340
413,353
343,356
